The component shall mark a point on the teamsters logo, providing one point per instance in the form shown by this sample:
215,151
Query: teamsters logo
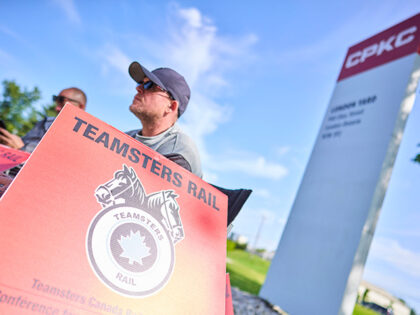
130,242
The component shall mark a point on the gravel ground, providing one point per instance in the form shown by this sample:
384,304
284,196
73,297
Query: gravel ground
248,304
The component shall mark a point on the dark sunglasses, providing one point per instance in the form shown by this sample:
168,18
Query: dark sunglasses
149,85
61,99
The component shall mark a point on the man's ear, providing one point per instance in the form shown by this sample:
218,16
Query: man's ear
174,106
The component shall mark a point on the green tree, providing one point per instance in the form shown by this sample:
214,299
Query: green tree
17,107
417,158
365,294
49,110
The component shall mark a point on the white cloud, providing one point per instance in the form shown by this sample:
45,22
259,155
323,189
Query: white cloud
262,192
392,252
254,166
70,10
281,151
267,214
202,118
194,17
5,58
271,217
196,50
193,47
5,30
113,63
114,58
210,177
16,37
352,30
405,232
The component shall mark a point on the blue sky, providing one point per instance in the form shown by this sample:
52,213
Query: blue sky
261,75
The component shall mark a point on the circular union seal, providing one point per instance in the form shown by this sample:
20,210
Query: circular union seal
130,251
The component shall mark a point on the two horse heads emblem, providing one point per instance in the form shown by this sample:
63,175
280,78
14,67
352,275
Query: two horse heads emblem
130,242
126,188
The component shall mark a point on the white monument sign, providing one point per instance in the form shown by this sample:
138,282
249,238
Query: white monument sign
320,258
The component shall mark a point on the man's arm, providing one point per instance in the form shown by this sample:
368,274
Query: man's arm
179,159
10,139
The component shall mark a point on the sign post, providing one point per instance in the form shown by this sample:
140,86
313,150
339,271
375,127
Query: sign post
320,259
97,223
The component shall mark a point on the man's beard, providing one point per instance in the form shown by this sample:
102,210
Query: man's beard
145,117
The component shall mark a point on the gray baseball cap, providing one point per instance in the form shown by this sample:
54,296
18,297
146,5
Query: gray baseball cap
168,79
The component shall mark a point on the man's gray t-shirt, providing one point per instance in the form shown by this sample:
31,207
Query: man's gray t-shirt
175,145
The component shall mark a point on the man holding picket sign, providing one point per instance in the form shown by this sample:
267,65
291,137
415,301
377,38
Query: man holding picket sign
162,97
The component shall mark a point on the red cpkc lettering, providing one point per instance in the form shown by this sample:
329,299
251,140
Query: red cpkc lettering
393,42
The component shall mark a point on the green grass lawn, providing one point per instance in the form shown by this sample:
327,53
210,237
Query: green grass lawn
360,310
247,271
